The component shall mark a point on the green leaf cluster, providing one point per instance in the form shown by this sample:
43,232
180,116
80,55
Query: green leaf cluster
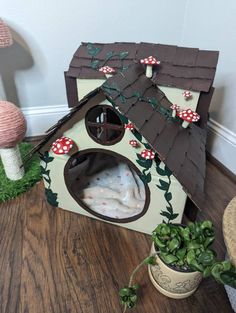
188,248
128,296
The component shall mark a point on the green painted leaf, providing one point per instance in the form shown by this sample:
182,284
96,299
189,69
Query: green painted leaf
160,171
153,102
168,196
51,197
122,99
136,94
144,163
174,216
137,135
164,185
109,55
167,171
147,146
146,178
47,179
123,54
94,64
169,209
92,50
166,214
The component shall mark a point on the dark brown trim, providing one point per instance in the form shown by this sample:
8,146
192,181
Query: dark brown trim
106,125
221,167
71,91
102,217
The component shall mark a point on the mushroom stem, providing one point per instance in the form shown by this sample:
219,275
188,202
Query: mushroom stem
185,124
174,113
108,75
12,163
149,71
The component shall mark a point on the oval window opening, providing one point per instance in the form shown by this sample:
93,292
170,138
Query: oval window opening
107,185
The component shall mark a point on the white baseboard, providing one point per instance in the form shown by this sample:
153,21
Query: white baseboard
221,141
40,119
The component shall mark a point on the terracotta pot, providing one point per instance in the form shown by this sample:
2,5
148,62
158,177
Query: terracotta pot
171,282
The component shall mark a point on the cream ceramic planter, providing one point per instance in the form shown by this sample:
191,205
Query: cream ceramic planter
172,283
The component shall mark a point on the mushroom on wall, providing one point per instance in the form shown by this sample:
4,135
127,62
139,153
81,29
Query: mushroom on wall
188,116
150,62
12,131
107,70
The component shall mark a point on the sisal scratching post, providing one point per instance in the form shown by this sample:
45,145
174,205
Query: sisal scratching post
5,35
12,131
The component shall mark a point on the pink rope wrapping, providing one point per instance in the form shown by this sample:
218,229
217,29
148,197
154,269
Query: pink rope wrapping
12,125
5,35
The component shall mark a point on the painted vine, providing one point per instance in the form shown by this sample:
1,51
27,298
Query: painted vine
50,195
96,64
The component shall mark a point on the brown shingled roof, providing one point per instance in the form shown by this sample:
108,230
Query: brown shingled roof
182,150
186,68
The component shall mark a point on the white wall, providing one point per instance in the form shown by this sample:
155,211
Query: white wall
47,33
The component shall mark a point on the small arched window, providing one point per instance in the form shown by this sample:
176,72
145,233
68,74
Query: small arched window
104,125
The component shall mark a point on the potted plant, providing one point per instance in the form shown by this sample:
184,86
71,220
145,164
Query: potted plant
180,257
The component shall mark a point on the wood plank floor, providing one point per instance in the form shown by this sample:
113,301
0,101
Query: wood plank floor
53,261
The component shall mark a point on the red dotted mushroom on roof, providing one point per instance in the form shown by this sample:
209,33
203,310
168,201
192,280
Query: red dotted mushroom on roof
62,145
188,116
107,70
150,62
175,108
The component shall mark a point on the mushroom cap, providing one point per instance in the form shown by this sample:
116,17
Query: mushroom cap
62,145
175,107
129,126
106,69
148,154
189,115
150,61
5,35
187,94
12,125
133,143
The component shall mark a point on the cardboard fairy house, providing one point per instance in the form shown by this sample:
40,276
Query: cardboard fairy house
132,147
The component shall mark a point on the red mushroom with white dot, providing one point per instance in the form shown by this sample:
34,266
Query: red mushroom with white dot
134,143
150,62
148,154
187,95
175,108
62,145
129,126
107,70
188,116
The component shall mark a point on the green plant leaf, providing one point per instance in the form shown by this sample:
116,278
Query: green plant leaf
163,185
228,278
169,258
150,260
206,258
181,253
173,244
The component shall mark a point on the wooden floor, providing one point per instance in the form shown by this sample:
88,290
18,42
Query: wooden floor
53,261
